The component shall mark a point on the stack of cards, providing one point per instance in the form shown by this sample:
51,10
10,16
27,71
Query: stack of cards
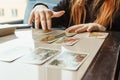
6,30
68,60
39,56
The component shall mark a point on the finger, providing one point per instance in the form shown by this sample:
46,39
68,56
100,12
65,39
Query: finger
58,14
31,18
48,19
43,20
81,29
91,28
37,20
73,28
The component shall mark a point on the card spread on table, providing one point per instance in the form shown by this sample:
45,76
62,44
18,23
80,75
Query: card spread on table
70,34
50,38
12,53
46,32
13,49
68,60
66,41
97,35
39,56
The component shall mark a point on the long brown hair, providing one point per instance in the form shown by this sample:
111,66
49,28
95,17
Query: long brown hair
105,15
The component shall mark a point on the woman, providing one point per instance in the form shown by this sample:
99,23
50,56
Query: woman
79,15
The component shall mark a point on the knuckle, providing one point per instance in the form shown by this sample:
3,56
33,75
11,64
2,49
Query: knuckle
48,12
43,19
36,17
41,11
42,22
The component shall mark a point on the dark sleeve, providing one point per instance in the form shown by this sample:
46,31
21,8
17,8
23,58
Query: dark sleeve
63,21
40,4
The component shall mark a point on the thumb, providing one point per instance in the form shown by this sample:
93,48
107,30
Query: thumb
58,14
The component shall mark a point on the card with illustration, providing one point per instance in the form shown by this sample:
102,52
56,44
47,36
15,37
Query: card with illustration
97,35
46,32
48,39
66,41
39,56
52,38
68,60
70,34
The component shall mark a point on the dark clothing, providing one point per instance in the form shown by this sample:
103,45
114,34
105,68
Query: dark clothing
64,20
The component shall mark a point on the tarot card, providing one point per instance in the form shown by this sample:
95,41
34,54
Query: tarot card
52,38
66,41
97,35
12,53
70,34
68,60
46,32
39,56
48,39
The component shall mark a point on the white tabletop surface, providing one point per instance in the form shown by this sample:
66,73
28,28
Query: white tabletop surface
17,70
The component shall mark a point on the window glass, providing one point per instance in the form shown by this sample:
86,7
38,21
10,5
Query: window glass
12,10
1,12
15,10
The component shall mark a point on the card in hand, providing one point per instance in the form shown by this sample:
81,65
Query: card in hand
68,60
39,56
67,40
97,35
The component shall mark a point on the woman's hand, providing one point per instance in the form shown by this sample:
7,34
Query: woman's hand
86,27
42,15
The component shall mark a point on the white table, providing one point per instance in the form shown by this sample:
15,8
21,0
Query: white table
21,71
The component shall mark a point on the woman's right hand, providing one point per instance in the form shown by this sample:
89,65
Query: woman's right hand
42,15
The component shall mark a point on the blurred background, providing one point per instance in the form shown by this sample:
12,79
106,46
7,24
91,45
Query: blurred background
17,11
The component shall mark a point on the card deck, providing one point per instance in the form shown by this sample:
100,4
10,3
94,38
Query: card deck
7,30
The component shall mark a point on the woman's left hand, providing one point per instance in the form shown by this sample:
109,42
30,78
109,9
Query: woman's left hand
86,27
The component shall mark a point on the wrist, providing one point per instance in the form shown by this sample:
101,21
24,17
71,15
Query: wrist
101,27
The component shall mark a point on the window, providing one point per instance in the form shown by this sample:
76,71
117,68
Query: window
14,12
1,12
